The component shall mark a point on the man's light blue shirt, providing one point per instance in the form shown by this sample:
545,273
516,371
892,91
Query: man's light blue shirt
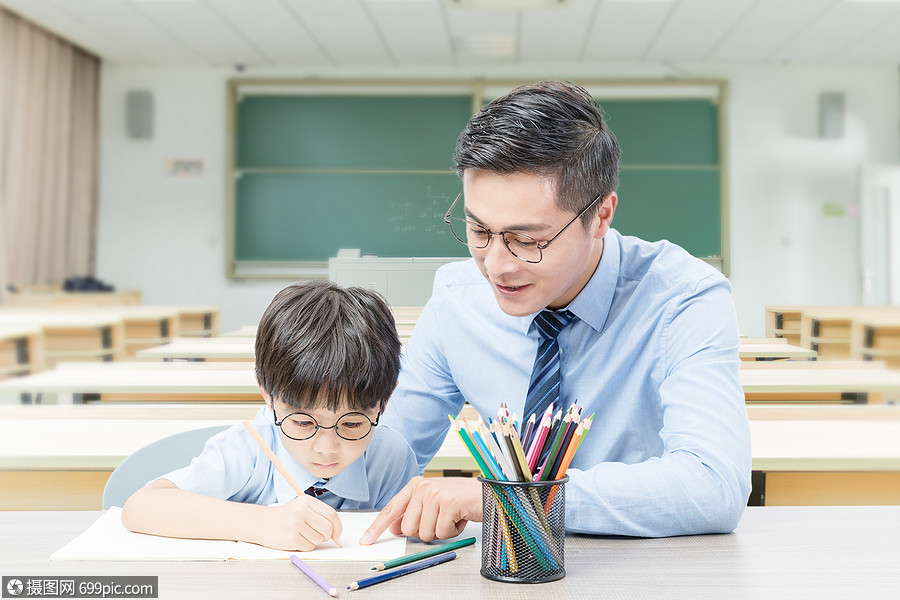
232,466
653,353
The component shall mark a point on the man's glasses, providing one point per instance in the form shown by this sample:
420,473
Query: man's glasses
351,426
521,246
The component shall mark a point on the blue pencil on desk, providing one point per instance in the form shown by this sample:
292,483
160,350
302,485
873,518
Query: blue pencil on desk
318,579
400,571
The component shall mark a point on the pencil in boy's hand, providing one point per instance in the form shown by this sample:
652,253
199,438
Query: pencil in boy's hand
424,554
277,463
318,579
400,571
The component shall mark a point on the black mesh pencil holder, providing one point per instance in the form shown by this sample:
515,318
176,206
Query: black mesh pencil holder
523,530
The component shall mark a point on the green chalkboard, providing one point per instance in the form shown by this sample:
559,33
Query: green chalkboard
317,173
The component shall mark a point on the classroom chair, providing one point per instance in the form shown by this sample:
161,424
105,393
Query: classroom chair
153,460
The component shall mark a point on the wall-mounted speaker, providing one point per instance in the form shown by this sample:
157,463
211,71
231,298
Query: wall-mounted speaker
139,114
831,115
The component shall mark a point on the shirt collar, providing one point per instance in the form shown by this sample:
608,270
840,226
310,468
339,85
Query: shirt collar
593,303
351,483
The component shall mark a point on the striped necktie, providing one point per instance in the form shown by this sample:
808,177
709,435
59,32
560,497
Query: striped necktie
545,379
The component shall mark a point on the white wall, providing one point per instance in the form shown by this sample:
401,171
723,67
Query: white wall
164,235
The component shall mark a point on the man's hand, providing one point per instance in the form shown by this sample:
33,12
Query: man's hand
429,508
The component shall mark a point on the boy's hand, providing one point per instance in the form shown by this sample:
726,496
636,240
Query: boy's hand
300,525
429,508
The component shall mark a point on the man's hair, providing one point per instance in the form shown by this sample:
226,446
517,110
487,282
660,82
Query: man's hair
319,344
551,129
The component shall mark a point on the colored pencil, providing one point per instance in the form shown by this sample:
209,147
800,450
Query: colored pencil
528,431
401,571
277,463
318,579
390,564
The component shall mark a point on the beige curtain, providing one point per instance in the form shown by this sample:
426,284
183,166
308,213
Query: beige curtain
49,156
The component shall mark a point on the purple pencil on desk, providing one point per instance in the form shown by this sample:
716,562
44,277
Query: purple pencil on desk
318,579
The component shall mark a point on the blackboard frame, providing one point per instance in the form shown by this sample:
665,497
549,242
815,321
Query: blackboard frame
480,92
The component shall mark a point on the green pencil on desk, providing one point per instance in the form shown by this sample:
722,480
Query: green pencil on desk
390,564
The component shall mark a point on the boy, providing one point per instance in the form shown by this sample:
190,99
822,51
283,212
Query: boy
327,360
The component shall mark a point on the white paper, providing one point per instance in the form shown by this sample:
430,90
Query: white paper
108,539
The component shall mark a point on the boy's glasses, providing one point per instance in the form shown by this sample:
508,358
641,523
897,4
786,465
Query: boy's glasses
351,426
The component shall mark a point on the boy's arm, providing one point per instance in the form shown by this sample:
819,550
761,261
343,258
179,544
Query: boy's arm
161,508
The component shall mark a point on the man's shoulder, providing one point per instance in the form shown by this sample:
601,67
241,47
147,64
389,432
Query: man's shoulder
663,260
388,441
458,273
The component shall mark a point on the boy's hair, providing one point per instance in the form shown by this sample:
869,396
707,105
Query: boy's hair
551,129
323,345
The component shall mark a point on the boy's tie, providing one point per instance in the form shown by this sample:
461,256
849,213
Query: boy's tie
314,491
544,386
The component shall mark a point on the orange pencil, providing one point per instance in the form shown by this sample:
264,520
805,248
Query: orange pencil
277,463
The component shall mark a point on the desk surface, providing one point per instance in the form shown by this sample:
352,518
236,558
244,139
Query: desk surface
238,378
776,552
242,348
100,437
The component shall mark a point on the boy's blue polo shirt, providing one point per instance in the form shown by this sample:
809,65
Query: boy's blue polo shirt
232,466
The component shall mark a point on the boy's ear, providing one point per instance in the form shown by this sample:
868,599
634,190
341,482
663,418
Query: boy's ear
265,395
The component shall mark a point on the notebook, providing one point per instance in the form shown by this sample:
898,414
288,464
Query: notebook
107,539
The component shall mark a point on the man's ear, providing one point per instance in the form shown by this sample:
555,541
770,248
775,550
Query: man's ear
605,215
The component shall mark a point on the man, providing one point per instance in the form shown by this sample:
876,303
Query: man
647,335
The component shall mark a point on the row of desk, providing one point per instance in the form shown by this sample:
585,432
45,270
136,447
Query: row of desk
235,381
840,332
32,340
808,459
59,456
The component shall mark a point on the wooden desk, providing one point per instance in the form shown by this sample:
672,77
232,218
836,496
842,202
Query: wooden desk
203,349
784,322
775,552
43,296
197,321
21,350
217,382
59,457
243,332
827,329
766,349
876,338
818,382
72,335
55,457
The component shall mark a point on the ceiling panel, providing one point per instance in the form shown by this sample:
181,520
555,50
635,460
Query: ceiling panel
767,27
555,34
695,27
625,30
121,22
274,30
841,26
879,46
483,35
344,30
204,30
45,14
415,32
397,33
